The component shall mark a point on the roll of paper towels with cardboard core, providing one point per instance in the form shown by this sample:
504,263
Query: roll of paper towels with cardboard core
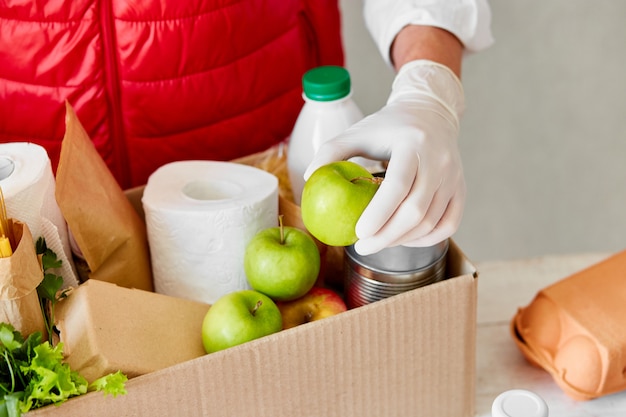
28,186
200,216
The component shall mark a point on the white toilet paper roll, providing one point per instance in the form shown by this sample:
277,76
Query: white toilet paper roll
28,186
200,215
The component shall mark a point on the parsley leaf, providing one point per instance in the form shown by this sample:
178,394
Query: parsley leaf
49,290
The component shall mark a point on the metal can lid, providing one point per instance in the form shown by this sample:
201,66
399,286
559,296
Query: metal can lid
399,260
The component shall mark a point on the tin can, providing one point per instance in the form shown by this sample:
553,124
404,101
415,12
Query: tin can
391,271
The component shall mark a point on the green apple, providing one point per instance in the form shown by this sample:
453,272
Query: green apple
282,262
333,199
239,317
317,304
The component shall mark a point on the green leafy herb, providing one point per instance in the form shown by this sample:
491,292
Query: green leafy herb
49,290
112,384
32,371
33,374
49,258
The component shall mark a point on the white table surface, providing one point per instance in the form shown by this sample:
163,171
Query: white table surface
503,287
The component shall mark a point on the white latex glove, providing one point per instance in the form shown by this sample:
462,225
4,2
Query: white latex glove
421,200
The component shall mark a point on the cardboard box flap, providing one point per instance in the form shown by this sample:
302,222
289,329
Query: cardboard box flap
457,263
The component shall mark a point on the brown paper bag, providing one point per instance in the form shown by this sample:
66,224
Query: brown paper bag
20,274
108,231
98,338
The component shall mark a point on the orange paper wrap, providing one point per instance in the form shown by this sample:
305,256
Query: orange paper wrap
576,330
20,274
109,232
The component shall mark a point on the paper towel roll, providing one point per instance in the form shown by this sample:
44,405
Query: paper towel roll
200,215
28,186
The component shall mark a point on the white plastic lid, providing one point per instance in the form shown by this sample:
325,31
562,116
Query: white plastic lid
519,403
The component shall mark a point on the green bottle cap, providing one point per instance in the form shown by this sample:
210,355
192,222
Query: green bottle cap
326,83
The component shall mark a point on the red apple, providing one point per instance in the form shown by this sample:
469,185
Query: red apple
316,304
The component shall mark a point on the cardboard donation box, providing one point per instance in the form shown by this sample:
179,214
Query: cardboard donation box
409,354
575,329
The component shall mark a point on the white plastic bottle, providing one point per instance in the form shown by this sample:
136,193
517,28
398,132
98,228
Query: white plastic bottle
328,110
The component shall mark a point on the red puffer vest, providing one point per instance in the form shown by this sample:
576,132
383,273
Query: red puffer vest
158,81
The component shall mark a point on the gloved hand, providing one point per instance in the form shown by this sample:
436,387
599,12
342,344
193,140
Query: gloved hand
421,200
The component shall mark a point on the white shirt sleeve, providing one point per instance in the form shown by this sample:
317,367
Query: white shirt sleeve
468,20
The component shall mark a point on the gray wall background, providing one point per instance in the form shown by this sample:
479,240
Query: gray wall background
544,135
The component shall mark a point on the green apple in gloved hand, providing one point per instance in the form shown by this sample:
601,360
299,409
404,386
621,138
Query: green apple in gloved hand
282,262
239,317
333,199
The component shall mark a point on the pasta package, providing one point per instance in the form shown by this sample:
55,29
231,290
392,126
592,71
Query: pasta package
20,274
